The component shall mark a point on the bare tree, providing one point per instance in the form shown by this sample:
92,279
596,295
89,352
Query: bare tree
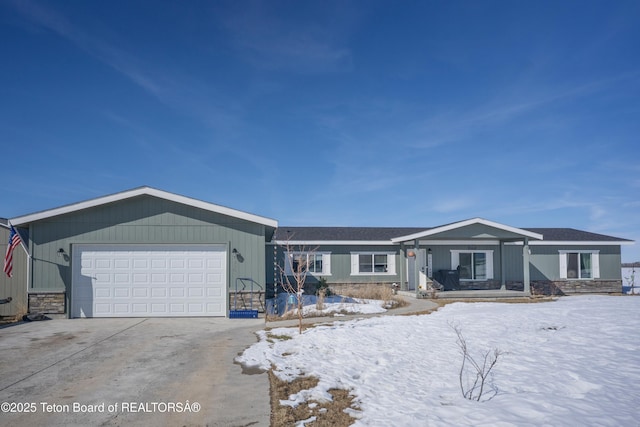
294,277
473,375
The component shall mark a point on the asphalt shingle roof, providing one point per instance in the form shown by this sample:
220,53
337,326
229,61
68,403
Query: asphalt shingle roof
573,235
343,233
387,233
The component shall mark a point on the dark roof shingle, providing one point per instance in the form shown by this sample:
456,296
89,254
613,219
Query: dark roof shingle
387,233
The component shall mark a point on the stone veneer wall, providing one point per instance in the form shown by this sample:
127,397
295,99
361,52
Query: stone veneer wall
247,301
47,303
562,287
538,287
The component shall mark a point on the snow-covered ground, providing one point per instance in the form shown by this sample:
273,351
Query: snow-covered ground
575,361
362,306
334,305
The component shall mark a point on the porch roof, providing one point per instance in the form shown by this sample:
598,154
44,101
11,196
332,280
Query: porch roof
474,228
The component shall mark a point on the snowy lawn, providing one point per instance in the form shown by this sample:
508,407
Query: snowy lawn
334,305
572,362
361,306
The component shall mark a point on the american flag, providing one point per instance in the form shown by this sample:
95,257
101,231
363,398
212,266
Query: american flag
14,240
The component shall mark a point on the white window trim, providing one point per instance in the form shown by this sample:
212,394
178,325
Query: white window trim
595,263
455,262
326,263
355,263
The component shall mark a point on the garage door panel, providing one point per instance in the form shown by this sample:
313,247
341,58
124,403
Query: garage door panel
100,309
141,281
139,308
140,292
176,292
213,308
158,278
102,264
214,277
158,293
102,292
124,264
121,292
214,292
195,278
177,308
177,278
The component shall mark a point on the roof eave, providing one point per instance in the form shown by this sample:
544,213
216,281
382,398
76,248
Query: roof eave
436,230
25,219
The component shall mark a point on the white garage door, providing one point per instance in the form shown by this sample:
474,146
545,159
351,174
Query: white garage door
149,281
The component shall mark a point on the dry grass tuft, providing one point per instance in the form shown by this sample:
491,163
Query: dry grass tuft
377,292
328,414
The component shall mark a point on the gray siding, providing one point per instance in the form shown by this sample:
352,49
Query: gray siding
340,263
544,261
147,220
16,286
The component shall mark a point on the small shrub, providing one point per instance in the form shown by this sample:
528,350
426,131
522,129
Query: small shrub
323,286
473,378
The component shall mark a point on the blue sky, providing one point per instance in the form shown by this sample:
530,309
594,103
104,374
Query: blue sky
372,113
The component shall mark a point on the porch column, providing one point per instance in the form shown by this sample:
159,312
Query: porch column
525,261
403,267
503,285
416,271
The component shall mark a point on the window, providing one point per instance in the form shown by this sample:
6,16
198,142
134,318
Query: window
373,263
579,264
313,263
473,265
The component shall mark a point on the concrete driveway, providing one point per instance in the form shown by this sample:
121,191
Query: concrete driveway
133,372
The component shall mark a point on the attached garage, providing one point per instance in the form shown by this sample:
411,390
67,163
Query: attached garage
142,253
149,281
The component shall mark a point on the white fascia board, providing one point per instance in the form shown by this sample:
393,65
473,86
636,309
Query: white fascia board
573,243
331,242
458,242
524,233
139,192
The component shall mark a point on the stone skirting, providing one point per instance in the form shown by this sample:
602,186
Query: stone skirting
566,287
247,300
538,287
47,302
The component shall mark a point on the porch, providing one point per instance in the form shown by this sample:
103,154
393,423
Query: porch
468,259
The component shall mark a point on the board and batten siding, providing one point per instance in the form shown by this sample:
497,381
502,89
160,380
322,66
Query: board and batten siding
142,220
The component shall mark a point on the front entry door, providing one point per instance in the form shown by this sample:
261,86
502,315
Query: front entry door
420,260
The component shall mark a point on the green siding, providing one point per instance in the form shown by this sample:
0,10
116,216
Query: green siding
142,220
544,261
340,263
